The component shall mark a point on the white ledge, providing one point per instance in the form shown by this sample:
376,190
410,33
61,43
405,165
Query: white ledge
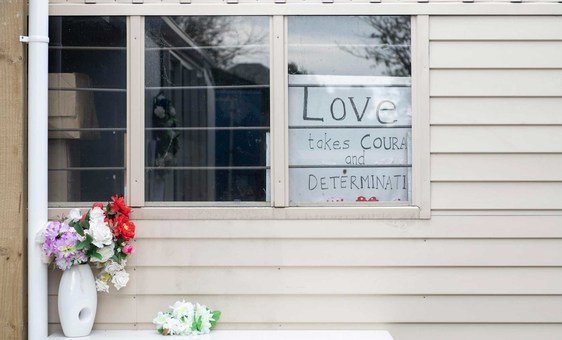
239,335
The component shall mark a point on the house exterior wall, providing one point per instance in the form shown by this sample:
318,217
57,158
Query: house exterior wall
487,265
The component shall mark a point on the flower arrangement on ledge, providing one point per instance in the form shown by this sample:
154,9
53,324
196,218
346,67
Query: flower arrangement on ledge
103,236
185,318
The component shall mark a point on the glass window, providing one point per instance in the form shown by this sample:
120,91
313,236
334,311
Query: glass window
349,109
87,108
207,108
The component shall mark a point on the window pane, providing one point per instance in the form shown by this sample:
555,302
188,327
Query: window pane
87,108
236,184
349,109
350,45
207,108
95,185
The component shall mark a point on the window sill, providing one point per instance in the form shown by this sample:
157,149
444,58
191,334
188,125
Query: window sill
241,335
265,213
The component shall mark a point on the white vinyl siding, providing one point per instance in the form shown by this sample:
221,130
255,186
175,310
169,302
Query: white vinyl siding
487,265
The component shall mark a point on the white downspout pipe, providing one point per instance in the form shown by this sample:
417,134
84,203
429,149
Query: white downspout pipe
37,180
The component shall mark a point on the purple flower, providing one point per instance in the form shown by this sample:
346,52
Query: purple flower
60,245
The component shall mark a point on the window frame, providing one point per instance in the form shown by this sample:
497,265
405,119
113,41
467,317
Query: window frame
278,207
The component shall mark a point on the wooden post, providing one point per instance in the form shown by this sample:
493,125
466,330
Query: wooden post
12,169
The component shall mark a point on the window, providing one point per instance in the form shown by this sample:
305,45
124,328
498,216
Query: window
349,109
87,107
285,111
207,108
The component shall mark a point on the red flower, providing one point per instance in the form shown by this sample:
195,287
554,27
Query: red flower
117,205
124,228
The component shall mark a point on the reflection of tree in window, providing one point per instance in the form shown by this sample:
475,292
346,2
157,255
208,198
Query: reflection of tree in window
214,72
206,31
391,44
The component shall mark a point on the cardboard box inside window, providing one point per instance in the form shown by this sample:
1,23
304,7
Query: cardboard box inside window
71,109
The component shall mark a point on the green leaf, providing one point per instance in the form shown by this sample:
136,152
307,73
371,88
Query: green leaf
197,324
78,228
84,224
96,255
216,317
81,245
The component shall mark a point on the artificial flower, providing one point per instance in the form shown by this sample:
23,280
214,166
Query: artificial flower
125,230
120,279
117,205
206,316
161,318
128,249
105,276
175,327
40,236
97,215
113,267
60,245
184,318
101,234
73,215
97,205
105,252
102,286
182,309
89,237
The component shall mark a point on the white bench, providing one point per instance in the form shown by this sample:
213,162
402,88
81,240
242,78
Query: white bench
239,335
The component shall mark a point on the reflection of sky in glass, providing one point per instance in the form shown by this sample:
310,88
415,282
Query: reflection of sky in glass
334,45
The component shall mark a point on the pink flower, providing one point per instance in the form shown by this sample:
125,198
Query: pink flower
97,204
128,249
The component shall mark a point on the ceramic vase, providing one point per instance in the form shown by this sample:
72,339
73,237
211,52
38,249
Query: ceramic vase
78,300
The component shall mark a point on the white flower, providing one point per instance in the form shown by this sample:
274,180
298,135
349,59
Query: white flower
101,233
161,319
180,319
113,267
105,252
181,309
172,111
97,215
102,286
120,279
159,112
206,316
39,240
73,215
175,326
46,259
40,237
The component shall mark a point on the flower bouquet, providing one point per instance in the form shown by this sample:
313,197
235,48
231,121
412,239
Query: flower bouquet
185,318
102,236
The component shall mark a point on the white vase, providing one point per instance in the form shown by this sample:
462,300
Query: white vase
78,300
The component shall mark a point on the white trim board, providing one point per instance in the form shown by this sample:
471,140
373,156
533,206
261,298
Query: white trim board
405,8
242,335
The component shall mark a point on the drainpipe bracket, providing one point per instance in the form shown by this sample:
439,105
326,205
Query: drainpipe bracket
34,38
